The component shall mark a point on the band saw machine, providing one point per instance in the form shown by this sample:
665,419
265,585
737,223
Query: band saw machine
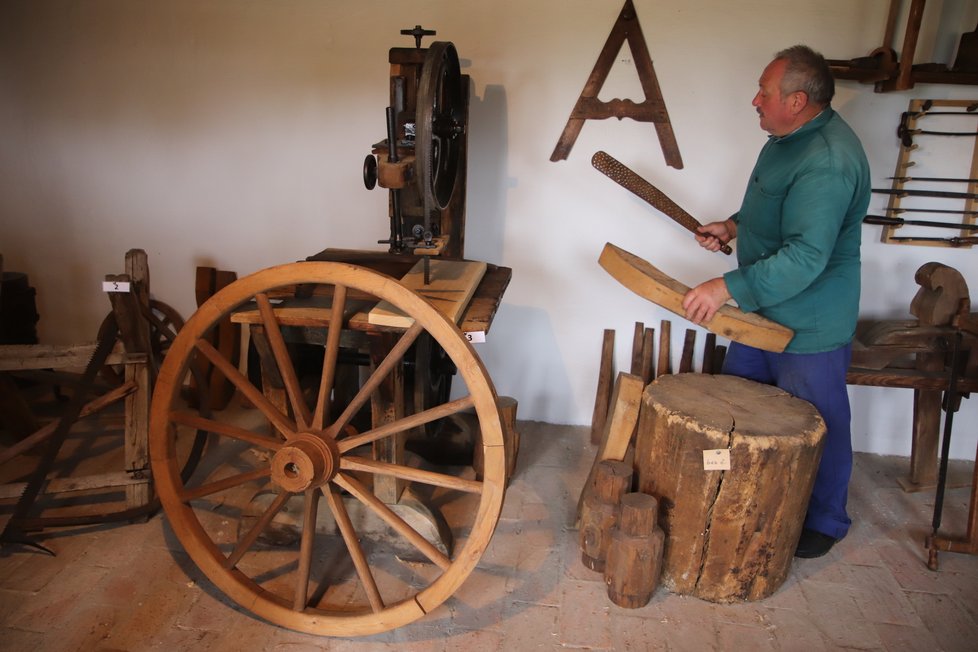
326,523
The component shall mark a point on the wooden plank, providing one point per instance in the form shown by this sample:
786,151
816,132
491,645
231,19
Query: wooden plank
22,357
709,350
83,483
638,348
647,371
665,348
686,358
606,375
619,426
645,280
451,285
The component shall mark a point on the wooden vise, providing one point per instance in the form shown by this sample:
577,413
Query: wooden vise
915,354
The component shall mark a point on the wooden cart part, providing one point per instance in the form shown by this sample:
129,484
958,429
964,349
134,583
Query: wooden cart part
131,350
645,280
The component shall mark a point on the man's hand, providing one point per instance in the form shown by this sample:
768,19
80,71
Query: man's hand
703,301
716,234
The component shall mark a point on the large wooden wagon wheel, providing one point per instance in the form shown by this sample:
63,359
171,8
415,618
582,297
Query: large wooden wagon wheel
338,577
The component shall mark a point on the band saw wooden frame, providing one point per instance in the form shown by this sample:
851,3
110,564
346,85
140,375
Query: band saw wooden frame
645,280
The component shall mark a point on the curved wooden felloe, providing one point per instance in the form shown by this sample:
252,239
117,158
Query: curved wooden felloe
333,578
645,280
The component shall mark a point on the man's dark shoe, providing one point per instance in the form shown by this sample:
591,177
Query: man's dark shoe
813,544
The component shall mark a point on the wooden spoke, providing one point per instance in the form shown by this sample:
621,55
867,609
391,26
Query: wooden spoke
251,536
330,356
185,418
405,423
284,361
309,514
252,393
353,546
400,526
353,463
376,378
186,495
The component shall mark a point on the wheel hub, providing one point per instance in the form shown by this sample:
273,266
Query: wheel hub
305,462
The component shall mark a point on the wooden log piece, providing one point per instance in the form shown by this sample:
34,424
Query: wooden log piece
634,560
645,280
730,534
611,481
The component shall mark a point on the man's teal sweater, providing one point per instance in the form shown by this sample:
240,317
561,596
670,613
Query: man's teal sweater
799,231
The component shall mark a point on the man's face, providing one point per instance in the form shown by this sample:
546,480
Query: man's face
775,111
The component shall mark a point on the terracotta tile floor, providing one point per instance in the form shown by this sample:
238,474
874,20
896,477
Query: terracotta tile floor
133,588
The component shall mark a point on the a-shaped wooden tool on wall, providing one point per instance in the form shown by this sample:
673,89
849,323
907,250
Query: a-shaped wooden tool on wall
653,109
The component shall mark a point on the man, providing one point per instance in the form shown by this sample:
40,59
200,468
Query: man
798,237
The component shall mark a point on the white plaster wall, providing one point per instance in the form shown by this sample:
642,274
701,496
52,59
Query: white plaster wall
231,133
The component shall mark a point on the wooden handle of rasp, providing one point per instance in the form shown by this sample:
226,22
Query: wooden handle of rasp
630,180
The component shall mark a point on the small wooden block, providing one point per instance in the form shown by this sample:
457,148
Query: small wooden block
452,284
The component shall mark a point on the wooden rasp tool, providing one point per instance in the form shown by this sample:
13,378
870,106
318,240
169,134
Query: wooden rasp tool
630,180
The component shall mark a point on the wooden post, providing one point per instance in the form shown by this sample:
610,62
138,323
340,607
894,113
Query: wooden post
511,438
612,480
732,463
634,560
387,406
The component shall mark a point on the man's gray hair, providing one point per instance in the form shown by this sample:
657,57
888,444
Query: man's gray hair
807,71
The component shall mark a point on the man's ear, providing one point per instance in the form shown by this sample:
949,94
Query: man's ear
799,100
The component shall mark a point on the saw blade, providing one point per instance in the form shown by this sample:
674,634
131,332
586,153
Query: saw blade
631,181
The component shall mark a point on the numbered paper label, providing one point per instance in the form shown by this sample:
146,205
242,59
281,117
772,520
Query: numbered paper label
717,459
115,286
475,337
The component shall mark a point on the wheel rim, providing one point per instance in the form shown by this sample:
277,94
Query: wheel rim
298,587
439,124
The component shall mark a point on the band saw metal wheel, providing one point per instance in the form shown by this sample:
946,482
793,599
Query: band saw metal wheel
440,125
336,577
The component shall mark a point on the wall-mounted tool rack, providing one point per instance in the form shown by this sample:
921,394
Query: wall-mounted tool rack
922,193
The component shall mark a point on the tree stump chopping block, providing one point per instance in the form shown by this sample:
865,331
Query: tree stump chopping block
731,523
